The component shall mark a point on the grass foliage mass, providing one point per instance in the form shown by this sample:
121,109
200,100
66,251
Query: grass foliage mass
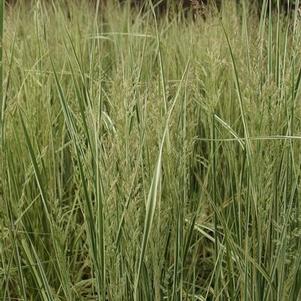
146,158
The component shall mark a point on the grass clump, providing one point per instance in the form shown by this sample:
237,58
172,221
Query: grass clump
149,159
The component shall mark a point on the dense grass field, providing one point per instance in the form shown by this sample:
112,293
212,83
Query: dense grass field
147,158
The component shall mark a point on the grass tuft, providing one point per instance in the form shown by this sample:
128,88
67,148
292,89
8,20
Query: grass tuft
149,158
